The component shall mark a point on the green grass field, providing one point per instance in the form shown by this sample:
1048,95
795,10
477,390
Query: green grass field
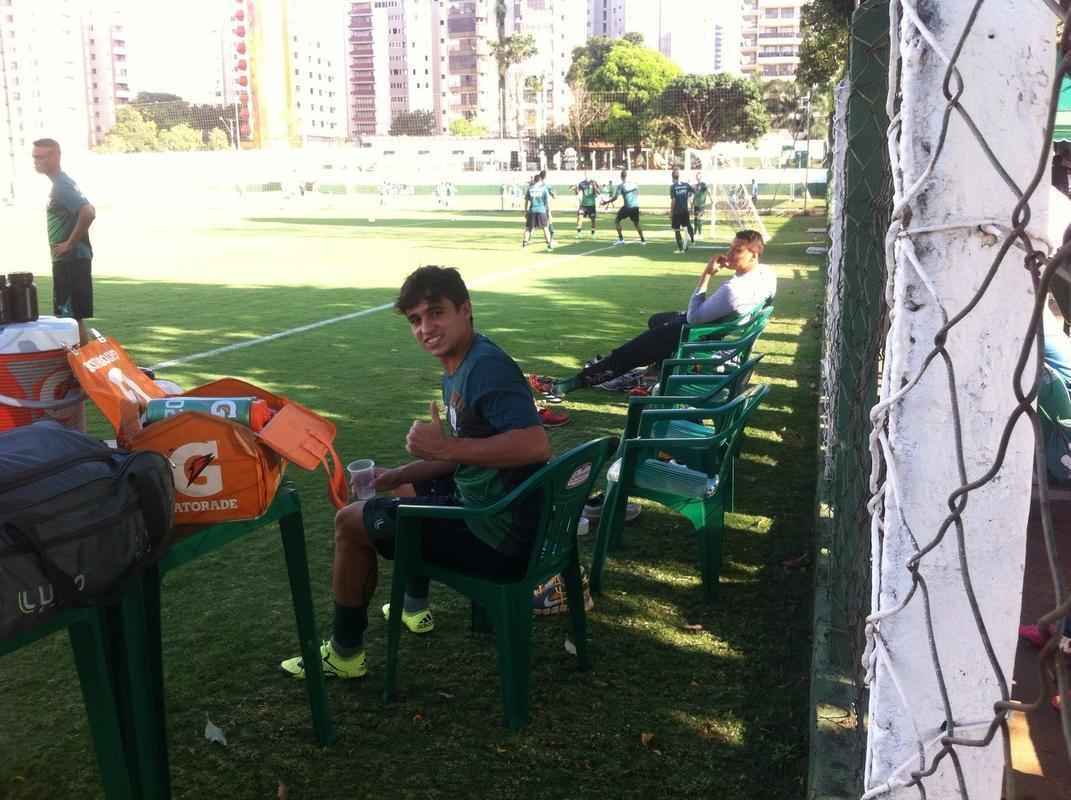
726,703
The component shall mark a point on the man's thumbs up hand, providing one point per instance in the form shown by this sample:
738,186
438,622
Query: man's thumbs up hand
426,440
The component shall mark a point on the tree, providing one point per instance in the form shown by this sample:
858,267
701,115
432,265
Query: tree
413,123
699,110
509,51
786,103
132,133
635,75
824,49
218,140
586,110
467,127
181,138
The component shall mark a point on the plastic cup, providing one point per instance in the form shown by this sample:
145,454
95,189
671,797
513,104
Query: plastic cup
363,478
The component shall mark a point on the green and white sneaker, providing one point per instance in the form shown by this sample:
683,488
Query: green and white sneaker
334,665
418,622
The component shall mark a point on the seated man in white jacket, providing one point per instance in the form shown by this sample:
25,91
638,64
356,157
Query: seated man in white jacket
751,286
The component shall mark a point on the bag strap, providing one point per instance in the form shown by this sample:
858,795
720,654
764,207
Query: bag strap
338,489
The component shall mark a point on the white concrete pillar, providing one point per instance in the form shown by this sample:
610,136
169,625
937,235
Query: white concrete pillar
1007,66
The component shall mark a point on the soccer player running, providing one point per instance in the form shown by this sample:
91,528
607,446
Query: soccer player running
680,192
588,192
492,443
700,198
629,193
537,211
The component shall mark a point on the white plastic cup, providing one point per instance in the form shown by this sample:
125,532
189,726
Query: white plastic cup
363,478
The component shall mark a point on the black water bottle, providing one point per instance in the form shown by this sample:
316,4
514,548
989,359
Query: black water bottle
5,306
22,293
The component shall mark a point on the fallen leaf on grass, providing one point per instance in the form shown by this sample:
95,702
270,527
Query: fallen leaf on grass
284,793
418,717
214,733
446,695
692,628
570,648
647,740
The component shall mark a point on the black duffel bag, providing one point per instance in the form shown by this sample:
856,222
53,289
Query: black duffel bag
76,517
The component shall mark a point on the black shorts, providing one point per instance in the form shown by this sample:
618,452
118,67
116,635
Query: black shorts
680,219
587,212
536,219
629,213
72,288
447,542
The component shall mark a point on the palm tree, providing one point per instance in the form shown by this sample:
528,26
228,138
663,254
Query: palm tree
508,50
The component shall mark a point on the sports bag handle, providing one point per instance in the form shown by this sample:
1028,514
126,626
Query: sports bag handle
338,488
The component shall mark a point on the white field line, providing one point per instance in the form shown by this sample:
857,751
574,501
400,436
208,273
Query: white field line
479,282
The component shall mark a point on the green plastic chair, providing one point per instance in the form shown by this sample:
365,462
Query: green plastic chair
565,484
710,389
737,327
1054,410
90,633
697,486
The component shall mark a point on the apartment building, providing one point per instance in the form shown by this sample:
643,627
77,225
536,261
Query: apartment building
615,18
770,38
106,70
317,65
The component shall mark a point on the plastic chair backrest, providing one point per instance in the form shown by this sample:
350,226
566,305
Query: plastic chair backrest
566,483
729,330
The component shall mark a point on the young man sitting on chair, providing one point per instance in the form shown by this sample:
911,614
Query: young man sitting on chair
751,285
495,442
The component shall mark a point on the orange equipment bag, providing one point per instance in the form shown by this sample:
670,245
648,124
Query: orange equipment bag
223,471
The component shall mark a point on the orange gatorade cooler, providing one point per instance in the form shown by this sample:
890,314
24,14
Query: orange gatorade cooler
35,379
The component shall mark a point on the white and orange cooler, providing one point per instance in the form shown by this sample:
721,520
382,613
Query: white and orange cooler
35,379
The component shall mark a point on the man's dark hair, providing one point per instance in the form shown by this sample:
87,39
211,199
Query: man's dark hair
675,174
753,238
542,174
47,143
431,283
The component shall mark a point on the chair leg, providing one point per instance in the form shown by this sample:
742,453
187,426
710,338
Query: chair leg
513,633
394,628
292,530
98,692
607,522
730,490
574,594
710,540
480,623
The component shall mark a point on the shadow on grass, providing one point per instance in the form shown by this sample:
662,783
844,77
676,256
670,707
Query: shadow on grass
726,704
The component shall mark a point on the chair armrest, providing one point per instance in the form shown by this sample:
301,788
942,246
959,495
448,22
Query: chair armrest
406,511
669,364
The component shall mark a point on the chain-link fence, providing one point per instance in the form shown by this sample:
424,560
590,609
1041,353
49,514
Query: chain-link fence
855,314
969,274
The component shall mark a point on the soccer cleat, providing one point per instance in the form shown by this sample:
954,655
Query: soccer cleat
418,622
550,245
678,251
619,241
593,234
643,241
688,245
549,598
553,419
593,508
334,665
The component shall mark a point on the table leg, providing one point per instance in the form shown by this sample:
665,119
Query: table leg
292,529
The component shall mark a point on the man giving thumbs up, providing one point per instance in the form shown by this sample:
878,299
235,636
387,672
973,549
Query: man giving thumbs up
492,442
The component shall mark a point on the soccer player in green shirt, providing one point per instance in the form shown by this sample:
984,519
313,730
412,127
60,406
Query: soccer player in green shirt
537,211
629,193
588,192
493,441
699,204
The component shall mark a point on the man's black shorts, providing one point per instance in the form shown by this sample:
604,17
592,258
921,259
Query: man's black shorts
536,219
72,288
587,212
629,213
447,542
680,219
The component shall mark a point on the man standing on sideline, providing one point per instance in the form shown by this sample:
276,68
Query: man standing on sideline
69,216
679,194
629,193
493,443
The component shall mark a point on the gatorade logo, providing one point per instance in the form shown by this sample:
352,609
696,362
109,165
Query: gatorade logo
103,360
195,472
224,408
